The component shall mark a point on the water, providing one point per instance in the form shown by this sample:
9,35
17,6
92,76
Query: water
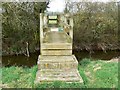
22,60
96,55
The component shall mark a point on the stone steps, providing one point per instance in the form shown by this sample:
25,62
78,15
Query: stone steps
50,75
56,43
56,37
56,52
56,46
57,62
57,68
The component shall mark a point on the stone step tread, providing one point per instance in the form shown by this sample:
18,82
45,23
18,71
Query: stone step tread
57,72
62,58
48,65
58,75
56,37
57,62
56,46
56,52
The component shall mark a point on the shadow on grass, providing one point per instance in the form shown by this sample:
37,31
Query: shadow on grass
84,62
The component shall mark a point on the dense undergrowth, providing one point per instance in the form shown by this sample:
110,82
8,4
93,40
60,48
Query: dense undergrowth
95,74
95,26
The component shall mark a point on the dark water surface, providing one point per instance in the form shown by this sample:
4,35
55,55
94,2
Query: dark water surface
96,55
22,60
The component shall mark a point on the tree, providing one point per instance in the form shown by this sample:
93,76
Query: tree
95,25
20,26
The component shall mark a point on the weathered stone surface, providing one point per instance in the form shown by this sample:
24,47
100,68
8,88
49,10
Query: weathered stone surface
57,37
50,75
56,52
58,68
57,62
57,58
56,43
56,46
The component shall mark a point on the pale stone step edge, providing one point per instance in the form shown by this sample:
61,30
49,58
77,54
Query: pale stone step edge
71,79
56,52
54,57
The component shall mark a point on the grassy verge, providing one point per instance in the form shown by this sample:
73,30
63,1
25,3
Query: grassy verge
99,74
95,74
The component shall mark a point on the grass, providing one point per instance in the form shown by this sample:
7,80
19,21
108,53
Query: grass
95,74
100,74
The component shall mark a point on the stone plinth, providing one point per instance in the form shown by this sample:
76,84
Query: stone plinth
58,68
57,62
